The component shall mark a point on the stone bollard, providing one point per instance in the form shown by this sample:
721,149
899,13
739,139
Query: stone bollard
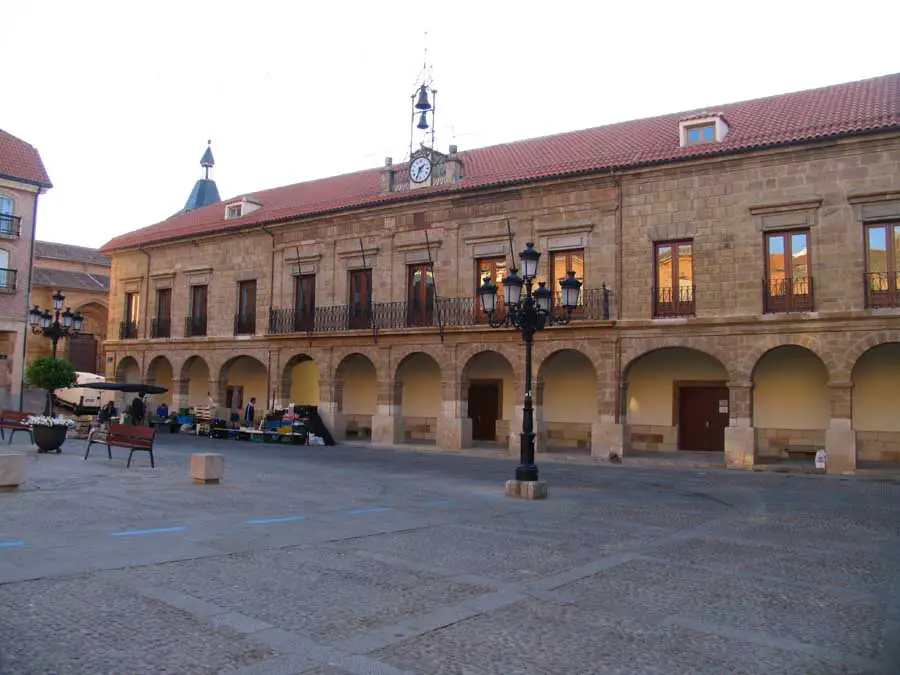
12,472
207,468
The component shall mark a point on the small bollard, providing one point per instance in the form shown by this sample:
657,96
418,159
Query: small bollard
12,472
207,468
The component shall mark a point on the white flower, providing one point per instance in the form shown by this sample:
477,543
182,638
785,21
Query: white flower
44,421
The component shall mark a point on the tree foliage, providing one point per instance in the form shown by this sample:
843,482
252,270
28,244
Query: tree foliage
51,374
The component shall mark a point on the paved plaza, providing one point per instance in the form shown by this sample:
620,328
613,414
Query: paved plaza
356,560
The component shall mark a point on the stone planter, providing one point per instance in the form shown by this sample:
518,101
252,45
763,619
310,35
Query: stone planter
50,439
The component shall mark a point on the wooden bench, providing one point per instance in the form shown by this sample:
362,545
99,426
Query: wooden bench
126,436
13,421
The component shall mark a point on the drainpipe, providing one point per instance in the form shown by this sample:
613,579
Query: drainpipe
28,298
269,400
146,299
617,181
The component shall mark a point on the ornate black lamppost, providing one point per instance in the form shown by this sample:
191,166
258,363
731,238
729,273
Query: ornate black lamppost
56,324
528,314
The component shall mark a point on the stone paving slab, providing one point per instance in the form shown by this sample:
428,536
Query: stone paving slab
352,560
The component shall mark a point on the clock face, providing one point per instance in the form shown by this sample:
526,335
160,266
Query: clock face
419,170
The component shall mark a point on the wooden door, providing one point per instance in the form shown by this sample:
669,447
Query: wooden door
484,410
360,298
702,418
82,352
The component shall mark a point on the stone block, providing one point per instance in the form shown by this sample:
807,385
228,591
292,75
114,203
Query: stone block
207,468
387,429
840,449
740,447
522,489
12,472
454,433
608,438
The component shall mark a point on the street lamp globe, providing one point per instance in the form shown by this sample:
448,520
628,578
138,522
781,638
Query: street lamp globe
529,259
487,293
512,288
46,319
78,322
542,297
67,318
571,288
34,315
58,300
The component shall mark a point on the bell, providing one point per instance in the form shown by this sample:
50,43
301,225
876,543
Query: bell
422,103
423,123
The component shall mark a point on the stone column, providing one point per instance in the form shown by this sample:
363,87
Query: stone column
331,400
217,398
179,393
387,423
454,428
608,436
840,438
740,434
18,366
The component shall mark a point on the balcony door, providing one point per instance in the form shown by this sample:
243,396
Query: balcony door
199,302
883,265
163,313
420,303
246,318
360,298
788,286
304,302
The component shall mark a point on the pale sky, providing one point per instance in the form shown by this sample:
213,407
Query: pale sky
120,97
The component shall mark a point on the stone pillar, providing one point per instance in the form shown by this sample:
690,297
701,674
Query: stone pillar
740,434
840,438
608,436
179,394
216,390
454,428
387,423
18,367
331,403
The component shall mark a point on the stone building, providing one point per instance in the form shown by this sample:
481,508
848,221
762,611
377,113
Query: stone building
82,274
741,270
23,179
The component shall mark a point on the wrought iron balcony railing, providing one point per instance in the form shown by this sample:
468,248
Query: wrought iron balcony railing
446,312
194,326
7,279
882,289
788,295
245,324
673,302
10,225
128,330
161,327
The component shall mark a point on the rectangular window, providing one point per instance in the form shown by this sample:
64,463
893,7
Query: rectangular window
883,265
420,301
673,294
561,263
132,313
197,319
360,299
9,222
162,322
234,211
494,269
701,133
245,321
7,276
304,302
788,285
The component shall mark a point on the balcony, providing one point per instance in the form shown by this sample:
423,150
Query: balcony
7,280
453,312
882,289
195,326
128,330
787,295
11,226
670,303
161,327
245,324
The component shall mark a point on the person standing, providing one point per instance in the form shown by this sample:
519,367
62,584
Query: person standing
249,413
137,411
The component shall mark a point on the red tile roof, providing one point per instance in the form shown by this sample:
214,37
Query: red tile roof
20,161
839,110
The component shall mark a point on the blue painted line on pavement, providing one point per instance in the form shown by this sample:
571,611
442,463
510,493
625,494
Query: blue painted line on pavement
489,495
129,533
374,509
11,544
438,502
285,519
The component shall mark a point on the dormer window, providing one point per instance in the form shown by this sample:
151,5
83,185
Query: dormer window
702,128
702,133
233,211
241,207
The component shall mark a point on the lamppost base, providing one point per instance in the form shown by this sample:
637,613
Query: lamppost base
526,472
526,489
